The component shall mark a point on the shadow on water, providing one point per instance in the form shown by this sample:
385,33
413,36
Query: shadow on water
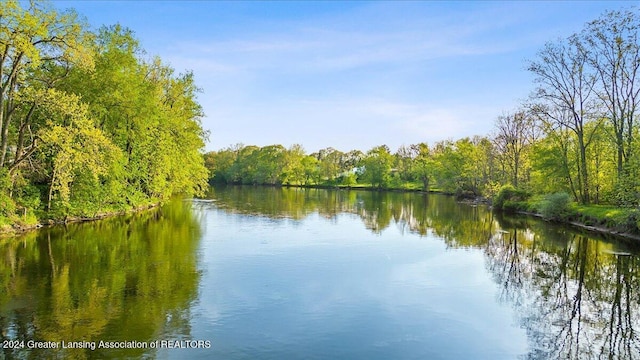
575,294
128,278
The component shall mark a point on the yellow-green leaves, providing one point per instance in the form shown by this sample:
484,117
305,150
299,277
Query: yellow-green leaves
72,142
87,116
40,34
38,46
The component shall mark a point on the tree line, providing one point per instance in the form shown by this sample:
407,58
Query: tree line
577,133
89,123
447,165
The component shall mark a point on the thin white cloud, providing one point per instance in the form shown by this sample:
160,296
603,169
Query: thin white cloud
347,123
379,71
335,45
203,65
332,53
434,124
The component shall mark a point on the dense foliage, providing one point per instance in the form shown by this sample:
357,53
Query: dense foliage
555,206
577,134
464,165
87,125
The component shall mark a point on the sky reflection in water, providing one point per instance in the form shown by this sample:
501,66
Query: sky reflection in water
272,273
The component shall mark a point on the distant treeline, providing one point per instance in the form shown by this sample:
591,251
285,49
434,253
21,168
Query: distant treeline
88,124
466,165
576,134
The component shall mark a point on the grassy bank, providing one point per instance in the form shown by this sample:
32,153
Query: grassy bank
605,219
30,221
558,207
623,221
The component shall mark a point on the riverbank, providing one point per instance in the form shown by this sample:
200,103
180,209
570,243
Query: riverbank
466,198
608,220
17,228
602,219
20,226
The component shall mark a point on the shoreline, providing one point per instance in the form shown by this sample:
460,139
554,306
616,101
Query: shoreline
17,230
341,187
473,201
601,230
480,200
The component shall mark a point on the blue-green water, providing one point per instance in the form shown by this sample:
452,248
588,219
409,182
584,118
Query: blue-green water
270,273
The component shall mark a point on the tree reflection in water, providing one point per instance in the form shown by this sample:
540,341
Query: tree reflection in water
574,293
135,278
121,279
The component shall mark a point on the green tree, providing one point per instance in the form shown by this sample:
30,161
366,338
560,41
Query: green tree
38,45
86,124
219,165
515,134
614,53
294,169
475,157
405,161
377,166
351,160
149,112
567,91
330,162
311,169
423,165
553,167
448,165
73,144
270,162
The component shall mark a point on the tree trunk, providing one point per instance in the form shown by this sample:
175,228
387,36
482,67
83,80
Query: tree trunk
53,177
583,169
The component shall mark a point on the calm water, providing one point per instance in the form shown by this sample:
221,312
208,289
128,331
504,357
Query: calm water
267,273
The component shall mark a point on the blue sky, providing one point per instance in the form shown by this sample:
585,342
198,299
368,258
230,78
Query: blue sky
351,75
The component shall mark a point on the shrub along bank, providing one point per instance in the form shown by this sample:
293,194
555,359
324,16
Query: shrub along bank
560,207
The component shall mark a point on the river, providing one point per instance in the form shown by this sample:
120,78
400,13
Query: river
290,273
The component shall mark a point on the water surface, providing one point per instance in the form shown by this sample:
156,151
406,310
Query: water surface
272,273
